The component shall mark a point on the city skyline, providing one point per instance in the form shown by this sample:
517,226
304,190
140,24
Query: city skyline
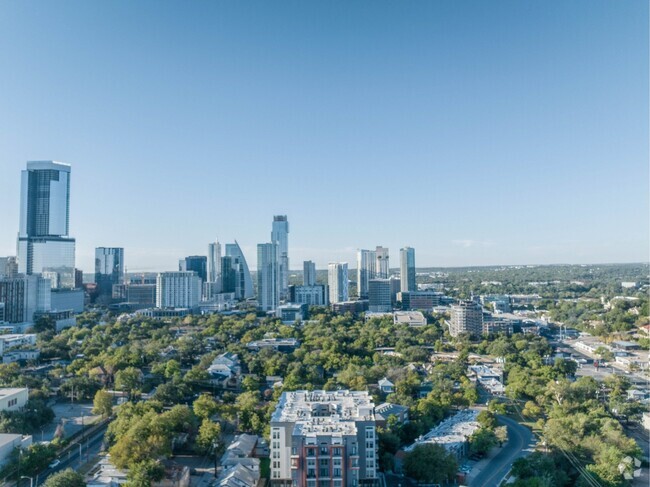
507,124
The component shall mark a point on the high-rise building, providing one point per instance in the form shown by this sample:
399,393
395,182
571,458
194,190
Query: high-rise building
308,273
109,269
280,237
366,270
228,275
8,267
324,438
337,280
23,296
214,266
382,269
180,289
195,263
407,269
315,295
43,237
379,295
466,317
268,293
243,280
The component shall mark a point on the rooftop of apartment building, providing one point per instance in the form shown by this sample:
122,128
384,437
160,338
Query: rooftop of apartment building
324,411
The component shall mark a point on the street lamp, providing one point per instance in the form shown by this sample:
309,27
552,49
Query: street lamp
31,480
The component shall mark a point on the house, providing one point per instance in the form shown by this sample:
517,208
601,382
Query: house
225,369
385,410
635,395
238,476
386,386
240,467
425,388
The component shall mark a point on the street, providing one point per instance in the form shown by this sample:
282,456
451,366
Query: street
520,443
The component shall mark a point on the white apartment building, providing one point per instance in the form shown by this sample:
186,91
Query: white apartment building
337,279
180,289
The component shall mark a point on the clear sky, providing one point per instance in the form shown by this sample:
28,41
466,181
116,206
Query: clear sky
478,132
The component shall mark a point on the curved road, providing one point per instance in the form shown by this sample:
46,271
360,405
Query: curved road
520,443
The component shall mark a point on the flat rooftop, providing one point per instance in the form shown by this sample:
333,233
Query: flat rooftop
456,429
318,412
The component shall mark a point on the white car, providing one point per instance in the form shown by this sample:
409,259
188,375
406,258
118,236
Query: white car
55,463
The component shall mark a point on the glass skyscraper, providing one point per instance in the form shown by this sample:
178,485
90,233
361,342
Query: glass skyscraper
44,244
243,280
109,269
267,276
280,237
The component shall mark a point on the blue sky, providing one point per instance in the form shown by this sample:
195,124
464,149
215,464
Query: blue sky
503,132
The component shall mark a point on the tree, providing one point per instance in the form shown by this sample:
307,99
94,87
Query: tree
486,419
205,406
482,441
66,478
430,463
129,380
142,474
103,403
501,434
209,437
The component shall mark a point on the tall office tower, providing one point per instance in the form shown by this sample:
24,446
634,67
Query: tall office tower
228,275
337,279
308,273
180,289
243,280
196,263
466,317
23,296
268,293
44,243
382,268
280,237
109,269
379,295
214,266
323,438
366,270
407,269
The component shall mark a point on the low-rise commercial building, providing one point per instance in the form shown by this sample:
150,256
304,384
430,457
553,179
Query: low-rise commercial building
13,398
453,433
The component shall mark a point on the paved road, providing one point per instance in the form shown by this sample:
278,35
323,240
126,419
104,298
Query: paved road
520,443
90,446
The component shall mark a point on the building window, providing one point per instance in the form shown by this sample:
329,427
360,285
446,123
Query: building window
311,452
275,434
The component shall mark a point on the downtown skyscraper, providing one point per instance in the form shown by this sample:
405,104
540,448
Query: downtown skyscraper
44,243
267,276
366,270
109,269
280,237
337,279
407,269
